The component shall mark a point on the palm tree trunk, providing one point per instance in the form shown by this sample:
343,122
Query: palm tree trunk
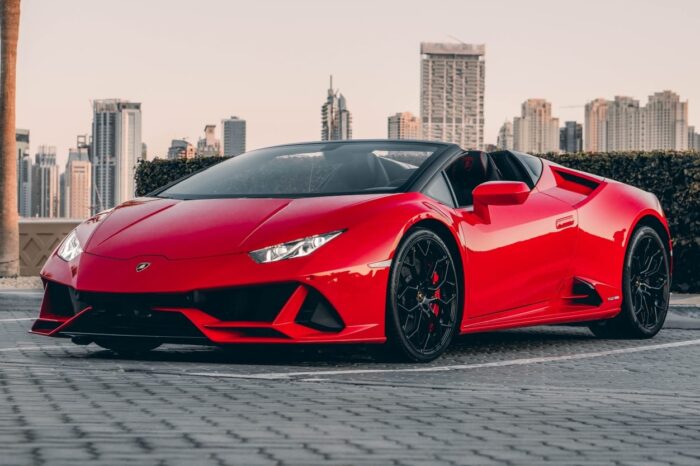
9,219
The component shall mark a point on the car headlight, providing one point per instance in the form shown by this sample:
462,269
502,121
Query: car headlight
70,248
298,248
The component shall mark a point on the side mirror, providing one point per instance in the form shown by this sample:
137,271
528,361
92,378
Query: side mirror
500,193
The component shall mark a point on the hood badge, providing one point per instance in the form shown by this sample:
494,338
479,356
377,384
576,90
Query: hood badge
143,266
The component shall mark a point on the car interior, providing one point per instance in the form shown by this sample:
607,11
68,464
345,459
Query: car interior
475,168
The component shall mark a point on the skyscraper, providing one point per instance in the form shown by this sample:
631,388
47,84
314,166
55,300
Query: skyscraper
45,184
209,145
505,136
693,139
452,93
116,148
624,125
535,130
571,137
595,137
24,173
233,133
78,181
666,122
336,120
403,125
181,149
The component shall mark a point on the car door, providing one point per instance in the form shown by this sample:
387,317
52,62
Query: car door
518,255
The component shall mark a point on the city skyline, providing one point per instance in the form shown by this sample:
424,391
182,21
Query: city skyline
379,71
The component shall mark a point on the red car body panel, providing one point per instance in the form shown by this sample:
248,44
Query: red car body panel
519,262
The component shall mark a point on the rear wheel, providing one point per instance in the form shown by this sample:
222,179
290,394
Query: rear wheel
423,301
128,346
645,288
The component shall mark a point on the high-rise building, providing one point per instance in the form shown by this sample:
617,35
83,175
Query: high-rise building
571,137
24,173
452,93
78,181
595,137
505,136
181,149
535,130
116,148
666,122
693,139
233,133
336,120
46,201
624,125
209,145
403,125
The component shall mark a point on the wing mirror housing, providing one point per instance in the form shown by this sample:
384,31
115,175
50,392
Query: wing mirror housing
498,193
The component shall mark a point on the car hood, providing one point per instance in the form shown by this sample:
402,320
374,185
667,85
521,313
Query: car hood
178,229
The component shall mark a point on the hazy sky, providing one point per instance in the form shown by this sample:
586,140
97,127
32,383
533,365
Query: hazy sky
196,62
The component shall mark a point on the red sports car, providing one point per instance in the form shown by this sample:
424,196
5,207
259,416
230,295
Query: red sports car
402,243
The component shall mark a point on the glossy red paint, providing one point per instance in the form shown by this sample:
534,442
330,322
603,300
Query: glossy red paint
521,250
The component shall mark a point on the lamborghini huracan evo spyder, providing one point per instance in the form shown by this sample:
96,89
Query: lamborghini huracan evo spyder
402,243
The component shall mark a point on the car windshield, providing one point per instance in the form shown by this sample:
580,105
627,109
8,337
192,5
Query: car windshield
308,170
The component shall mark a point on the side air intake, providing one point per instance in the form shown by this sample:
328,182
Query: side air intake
584,293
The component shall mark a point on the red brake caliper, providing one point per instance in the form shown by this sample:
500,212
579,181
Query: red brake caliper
434,306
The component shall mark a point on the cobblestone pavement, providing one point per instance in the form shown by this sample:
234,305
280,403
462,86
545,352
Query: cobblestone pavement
541,395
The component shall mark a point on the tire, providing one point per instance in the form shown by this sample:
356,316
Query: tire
645,289
423,300
128,346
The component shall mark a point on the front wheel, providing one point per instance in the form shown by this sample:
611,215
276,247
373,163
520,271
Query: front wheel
423,301
645,287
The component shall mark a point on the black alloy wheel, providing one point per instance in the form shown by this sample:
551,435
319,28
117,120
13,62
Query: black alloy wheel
646,289
423,312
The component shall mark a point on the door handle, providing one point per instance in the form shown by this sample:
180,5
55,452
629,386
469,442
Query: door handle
564,222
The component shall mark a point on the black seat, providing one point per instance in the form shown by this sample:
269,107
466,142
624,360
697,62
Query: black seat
468,172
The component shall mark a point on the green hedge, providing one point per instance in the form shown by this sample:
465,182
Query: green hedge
675,179
673,176
154,174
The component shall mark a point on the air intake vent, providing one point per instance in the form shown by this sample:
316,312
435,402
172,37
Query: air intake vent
585,293
572,181
318,313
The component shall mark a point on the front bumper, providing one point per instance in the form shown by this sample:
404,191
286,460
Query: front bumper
210,301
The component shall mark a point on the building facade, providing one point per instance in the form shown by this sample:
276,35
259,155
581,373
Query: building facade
403,125
209,145
505,136
24,173
571,137
535,131
233,134
693,139
336,119
595,126
181,149
622,124
665,124
115,151
46,200
78,183
452,93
